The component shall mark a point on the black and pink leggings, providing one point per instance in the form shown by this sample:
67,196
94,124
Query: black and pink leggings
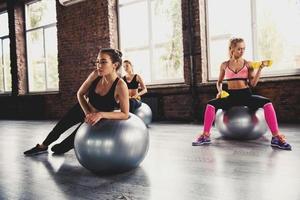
242,97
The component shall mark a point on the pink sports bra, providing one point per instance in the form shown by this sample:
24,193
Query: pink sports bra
242,74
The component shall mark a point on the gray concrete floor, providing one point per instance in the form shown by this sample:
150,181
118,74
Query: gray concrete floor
172,169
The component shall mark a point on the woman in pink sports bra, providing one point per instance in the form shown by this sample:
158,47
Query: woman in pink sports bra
239,76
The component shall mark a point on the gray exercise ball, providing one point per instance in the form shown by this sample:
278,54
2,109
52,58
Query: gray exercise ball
112,146
145,113
241,124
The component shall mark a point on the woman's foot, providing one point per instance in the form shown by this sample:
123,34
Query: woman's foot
38,149
279,141
59,149
201,140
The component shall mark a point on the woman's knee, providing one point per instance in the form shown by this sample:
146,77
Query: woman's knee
134,104
212,102
259,102
264,100
217,103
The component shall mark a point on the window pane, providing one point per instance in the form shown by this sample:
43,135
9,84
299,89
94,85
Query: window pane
4,24
223,25
5,74
122,2
217,56
277,36
167,38
1,81
162,19
166,65
159,43
1,70
42,45
134,25
36,60
51,58
6,64
40,13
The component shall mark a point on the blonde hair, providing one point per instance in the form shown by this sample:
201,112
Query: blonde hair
233,43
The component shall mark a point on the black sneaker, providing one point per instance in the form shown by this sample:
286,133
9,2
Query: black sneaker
59,149
36,150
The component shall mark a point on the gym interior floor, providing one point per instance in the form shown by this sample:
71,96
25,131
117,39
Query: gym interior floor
172,169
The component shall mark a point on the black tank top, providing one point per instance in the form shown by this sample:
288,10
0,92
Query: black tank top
106,102
132,84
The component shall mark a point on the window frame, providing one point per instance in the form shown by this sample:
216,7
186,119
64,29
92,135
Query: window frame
43,28
150,46
267,75
2,38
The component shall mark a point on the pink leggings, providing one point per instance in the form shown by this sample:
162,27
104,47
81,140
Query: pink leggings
270,116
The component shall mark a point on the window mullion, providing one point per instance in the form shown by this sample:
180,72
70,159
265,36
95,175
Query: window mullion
254,29
2,65
45,60
150,40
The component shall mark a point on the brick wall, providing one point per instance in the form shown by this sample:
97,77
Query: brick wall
83,29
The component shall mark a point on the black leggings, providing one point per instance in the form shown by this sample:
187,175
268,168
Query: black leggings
242,97
134,104
74,116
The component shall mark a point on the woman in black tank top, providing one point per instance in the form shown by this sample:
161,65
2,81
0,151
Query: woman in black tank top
100,94
133,82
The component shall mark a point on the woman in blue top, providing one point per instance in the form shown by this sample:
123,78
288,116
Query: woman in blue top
100,94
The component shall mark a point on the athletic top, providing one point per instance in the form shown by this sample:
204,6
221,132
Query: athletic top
106,102
132,84
242,74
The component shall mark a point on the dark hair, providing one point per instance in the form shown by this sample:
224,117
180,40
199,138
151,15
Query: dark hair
114,54
127,61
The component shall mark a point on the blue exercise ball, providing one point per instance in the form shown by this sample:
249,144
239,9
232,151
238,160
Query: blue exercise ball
145,113
112,146
240,123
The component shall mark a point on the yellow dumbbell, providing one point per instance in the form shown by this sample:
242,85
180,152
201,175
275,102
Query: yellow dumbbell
257,64
224,94
267,63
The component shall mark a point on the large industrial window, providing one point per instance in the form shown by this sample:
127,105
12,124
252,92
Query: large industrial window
41,39
268,27
151,37
5,75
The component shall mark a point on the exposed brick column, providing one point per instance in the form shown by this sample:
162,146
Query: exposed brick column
82,29
17,47
113,23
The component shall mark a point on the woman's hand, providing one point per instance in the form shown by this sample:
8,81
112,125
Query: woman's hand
92,108
93,118
264,63
219,95
135,96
